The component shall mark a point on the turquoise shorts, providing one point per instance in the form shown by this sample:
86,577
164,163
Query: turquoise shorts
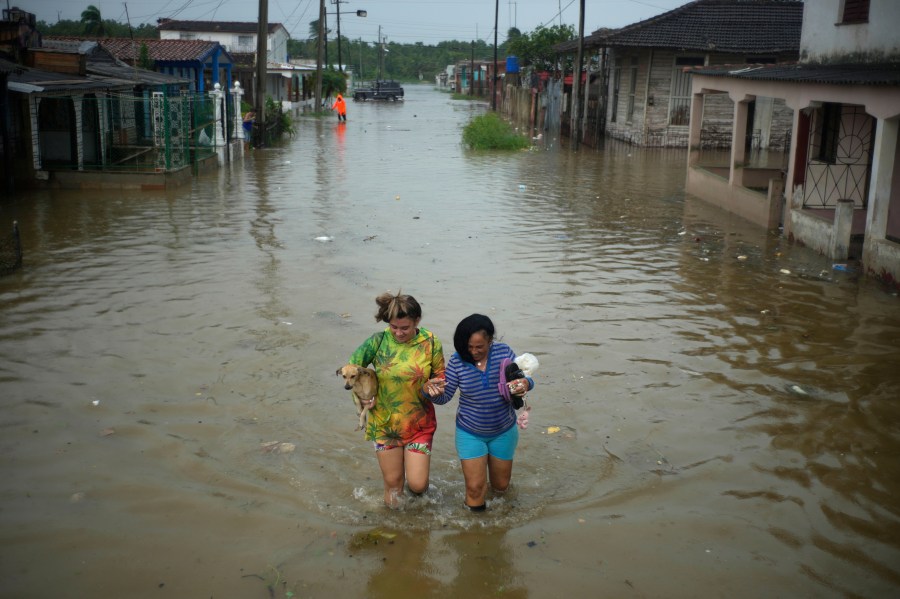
502,446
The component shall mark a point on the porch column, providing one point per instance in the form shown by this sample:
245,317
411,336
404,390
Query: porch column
839,248
34,104
78,103
696,126
237,93
738,148
101,112
884,156
219,136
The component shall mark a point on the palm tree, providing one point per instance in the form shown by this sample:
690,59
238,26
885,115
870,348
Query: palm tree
314,30
93,22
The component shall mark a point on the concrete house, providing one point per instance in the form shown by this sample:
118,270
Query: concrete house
239,39
842,176
638,90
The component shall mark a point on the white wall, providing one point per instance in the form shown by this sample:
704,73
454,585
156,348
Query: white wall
824,39
276,45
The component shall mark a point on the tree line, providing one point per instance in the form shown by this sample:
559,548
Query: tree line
369,60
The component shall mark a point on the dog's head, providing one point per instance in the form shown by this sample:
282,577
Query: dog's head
350,372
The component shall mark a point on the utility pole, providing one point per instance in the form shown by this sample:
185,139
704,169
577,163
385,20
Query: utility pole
262,36
340,62
319,55
496,76
472,74
575,123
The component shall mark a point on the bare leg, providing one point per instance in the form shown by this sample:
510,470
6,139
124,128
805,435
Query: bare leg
475,473
500,472
391,463
418,467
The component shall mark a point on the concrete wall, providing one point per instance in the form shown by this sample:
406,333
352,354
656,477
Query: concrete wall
751,205
825,39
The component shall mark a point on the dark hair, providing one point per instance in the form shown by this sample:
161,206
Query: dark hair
468,326
392,306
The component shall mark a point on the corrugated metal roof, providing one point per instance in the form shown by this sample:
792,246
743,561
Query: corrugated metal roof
35,80
737,26
846,74
100,61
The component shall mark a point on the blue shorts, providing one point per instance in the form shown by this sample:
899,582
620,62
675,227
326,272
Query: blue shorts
502,446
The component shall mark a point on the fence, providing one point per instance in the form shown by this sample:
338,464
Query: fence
144,132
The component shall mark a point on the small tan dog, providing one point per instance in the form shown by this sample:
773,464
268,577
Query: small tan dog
363,385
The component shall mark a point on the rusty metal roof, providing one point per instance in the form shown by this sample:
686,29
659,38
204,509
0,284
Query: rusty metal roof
736,26
838,74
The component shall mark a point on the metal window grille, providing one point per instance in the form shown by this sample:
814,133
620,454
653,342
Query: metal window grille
842,147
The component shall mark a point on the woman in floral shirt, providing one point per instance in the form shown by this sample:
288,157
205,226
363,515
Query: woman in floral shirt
401,420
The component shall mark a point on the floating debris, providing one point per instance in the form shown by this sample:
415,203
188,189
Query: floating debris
277,447
324,238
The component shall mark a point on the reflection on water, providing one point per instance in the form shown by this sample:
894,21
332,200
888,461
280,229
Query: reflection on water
708,393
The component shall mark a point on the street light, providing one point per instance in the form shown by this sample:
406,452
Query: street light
359,13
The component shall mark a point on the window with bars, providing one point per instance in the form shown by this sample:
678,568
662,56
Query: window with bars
632,87
829,132
680,96
617,80
855,11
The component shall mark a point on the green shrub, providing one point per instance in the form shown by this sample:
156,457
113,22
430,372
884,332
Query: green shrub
489,132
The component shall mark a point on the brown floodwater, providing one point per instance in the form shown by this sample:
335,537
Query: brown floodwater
716,410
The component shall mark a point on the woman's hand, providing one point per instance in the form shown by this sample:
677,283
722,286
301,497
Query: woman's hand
518,386
434,387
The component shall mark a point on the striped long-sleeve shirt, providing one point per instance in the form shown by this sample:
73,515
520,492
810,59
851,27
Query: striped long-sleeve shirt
482,410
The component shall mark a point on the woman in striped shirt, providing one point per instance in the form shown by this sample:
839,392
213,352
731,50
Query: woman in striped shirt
486,433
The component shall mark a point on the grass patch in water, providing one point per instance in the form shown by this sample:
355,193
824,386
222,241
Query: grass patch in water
489,132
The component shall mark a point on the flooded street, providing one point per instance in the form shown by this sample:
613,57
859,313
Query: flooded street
716,410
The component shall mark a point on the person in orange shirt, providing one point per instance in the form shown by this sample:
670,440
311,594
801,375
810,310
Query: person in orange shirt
341,108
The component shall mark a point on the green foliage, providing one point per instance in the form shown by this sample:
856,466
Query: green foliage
144,61
67,27
536,48
489,132
274,112
92,21
333,82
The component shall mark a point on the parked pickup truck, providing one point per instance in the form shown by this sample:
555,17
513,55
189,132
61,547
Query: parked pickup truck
379,90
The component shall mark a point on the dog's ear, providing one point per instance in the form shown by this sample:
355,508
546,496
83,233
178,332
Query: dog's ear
338,371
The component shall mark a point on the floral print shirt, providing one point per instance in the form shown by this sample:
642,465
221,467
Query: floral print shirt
401,412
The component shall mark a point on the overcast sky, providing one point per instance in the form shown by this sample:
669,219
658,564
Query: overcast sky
401,21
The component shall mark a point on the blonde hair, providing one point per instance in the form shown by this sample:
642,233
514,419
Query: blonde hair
392,306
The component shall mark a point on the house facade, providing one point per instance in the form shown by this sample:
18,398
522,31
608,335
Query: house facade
240,41
637,88
233,36
841,178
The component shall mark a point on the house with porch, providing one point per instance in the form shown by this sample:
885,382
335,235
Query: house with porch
841,178
638,91
204,63
239,38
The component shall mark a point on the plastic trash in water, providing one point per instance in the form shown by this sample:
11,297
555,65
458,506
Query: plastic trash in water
522,187
324,238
